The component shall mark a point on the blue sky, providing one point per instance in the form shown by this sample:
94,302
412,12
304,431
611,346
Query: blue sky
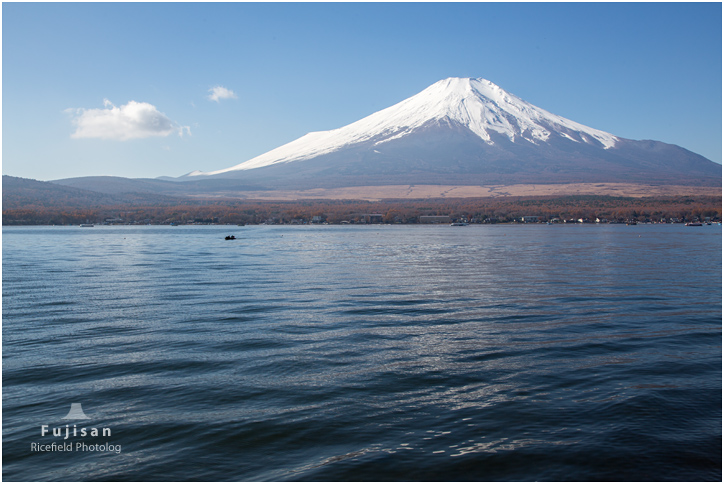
74,74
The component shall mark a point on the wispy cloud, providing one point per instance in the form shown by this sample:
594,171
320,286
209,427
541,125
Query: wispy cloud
130,121
220,92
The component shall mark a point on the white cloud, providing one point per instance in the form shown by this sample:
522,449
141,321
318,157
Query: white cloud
130,121
219,92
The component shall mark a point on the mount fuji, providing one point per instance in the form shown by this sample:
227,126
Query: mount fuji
466,131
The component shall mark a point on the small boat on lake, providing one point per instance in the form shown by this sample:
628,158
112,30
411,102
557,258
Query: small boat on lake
86,225
458,224
692,224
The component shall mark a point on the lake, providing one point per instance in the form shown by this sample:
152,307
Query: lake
365,353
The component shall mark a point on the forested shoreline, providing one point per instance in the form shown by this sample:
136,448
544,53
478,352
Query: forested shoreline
583,208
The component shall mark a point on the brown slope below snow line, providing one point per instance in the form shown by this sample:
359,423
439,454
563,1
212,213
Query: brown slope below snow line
374,193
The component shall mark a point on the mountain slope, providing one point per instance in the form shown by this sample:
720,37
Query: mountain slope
467,131
477,104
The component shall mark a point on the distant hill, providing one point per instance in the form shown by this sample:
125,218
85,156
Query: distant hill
130,187
25,193
116,185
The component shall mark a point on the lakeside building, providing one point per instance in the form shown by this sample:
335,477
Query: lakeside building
434,219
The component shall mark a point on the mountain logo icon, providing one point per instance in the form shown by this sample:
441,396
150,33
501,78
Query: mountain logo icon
76,413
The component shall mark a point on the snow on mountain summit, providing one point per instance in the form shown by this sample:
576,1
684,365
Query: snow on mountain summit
476,104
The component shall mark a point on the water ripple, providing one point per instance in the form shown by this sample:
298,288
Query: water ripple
365,353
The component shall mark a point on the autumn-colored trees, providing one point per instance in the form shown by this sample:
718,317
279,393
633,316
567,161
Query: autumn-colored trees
479,210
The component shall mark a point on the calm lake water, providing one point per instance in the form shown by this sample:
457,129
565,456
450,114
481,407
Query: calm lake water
364,353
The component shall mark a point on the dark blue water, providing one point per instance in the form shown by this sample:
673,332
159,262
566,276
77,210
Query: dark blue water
566,353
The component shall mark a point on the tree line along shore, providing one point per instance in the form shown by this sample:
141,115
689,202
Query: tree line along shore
580,208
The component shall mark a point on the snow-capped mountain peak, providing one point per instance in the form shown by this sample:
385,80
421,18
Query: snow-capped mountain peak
476,104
